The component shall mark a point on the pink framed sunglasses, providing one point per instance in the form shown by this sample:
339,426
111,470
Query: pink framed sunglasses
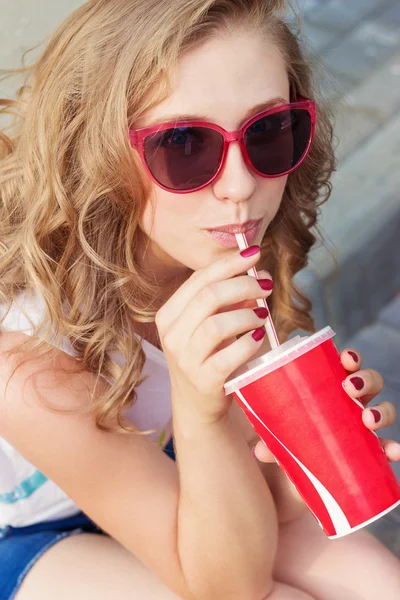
187,156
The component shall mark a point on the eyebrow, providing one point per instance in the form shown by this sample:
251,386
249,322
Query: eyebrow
191,117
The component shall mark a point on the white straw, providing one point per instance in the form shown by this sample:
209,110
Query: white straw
269,326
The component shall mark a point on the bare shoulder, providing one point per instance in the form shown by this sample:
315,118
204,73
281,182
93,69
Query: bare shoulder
57,380
43,374
125,483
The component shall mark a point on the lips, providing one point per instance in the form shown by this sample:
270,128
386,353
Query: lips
229,239
237,228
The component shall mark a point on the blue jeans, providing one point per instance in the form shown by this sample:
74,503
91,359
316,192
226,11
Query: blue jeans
21,547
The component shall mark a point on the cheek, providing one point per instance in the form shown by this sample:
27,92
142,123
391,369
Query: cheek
280,185
167,221
163,211
273,190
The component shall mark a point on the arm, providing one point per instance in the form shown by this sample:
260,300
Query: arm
193,527
288,502
227,519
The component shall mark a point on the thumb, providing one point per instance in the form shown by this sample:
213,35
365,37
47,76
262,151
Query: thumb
261,452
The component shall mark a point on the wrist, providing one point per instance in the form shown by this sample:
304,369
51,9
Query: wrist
190,425
191,418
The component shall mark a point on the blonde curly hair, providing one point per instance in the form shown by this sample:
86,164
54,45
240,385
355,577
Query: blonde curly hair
72,191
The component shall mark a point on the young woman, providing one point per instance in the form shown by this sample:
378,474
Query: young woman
123,314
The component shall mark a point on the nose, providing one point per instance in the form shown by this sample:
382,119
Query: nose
235,182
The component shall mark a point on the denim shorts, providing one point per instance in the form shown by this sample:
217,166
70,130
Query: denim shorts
21,547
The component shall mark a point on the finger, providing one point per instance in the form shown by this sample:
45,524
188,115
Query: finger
351,360
199,319
230,265
262,274
222,326
364,385
220,365
261,453
379,416
216,370
391,449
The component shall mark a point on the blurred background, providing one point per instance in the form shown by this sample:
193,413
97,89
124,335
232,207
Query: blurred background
353,277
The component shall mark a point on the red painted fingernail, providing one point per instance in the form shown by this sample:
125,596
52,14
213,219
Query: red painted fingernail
262,313
250,251
266,284
353,355
377,415
258,334
357,382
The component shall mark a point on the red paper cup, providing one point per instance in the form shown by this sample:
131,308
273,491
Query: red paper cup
295,400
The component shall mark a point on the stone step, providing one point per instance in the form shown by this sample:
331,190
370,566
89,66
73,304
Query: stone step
356,271
364,109
373,40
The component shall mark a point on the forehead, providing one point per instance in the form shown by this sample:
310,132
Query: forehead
221,79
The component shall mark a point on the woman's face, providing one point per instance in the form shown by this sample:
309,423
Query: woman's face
222,82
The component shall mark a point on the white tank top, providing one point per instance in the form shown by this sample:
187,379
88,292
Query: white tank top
27,496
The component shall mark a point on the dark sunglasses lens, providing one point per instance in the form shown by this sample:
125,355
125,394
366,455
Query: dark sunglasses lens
277,143
184,158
